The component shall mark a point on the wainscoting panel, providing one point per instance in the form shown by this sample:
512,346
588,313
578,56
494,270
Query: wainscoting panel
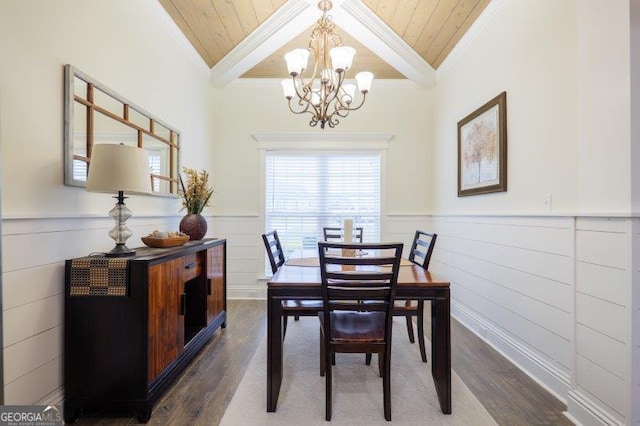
602,282
603,290
245,254
604,351
516,274
402,228
33,295
603,385
27,353
635,321
602,316
542,343
556,295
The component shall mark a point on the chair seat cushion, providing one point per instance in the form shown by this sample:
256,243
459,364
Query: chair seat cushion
302,305
356,327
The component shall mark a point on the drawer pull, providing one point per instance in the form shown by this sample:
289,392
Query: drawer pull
190,265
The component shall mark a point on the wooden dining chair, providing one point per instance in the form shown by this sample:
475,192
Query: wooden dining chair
346,324
337,234
290,308
420,254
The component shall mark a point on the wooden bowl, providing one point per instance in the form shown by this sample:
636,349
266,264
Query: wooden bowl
165,242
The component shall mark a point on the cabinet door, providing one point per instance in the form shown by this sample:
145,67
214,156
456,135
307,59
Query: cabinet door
215,277
166,316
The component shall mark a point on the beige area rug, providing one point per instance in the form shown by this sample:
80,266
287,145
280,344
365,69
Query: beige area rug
357,388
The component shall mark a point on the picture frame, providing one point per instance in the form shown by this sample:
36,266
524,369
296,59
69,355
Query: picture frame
482,149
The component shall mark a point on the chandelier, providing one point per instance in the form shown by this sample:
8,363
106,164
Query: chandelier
325,95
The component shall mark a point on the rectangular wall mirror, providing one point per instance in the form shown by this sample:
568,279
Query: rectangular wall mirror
95,114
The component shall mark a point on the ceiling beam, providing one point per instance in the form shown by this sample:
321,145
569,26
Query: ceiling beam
296,16
366,27
285,23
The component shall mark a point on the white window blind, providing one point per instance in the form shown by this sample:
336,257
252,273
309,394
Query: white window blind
154,164
306,192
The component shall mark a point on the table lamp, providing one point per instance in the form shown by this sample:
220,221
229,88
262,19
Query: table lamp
119,168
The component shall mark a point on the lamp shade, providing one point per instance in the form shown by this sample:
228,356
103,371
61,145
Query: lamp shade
364,80
288,88
297,61
342,57
116,168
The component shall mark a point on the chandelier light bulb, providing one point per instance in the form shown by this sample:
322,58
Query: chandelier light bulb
342,57
364,80
288,88
295,62
304,57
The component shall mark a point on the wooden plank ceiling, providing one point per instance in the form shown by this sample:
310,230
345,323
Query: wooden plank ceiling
431,27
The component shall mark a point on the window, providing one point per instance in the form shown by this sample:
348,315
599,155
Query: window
305,192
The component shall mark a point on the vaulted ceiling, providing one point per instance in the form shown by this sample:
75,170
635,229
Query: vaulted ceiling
405,39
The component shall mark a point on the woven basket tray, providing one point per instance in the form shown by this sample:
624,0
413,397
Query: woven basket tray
165,242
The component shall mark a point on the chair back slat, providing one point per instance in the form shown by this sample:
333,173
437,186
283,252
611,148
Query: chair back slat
337,234
422,248
274,250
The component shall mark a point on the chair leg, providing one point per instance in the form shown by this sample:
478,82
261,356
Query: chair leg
410,329
368,359
423,351
381,364
322,359
328,386
296,317
333,358
386,384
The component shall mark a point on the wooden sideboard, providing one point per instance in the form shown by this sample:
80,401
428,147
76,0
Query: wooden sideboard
132,324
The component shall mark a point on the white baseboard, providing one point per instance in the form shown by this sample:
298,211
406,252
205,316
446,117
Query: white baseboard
583,411
553,380
247,292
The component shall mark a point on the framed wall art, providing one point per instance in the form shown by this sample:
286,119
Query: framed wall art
482,149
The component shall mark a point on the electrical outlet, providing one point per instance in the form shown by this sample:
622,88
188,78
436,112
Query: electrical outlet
546,201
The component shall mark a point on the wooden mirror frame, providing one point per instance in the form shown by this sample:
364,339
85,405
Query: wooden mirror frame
154,131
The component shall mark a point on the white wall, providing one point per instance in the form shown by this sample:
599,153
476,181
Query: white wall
604,95
537,70
551,289
127,46
251,107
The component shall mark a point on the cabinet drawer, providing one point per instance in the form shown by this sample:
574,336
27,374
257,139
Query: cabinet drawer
192,266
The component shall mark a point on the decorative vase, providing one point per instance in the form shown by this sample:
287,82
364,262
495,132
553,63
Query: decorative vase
194,225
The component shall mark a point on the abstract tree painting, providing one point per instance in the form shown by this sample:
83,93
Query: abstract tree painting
482,149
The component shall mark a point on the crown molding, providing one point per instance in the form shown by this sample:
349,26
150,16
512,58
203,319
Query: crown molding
292,18
364,25
297,15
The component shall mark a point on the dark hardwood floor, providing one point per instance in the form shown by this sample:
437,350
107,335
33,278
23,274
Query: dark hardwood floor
203,391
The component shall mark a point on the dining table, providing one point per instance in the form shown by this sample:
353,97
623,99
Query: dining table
299,278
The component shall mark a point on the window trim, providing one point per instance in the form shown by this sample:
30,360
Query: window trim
338,143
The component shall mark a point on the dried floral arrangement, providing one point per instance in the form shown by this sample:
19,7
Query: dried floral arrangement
197,192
